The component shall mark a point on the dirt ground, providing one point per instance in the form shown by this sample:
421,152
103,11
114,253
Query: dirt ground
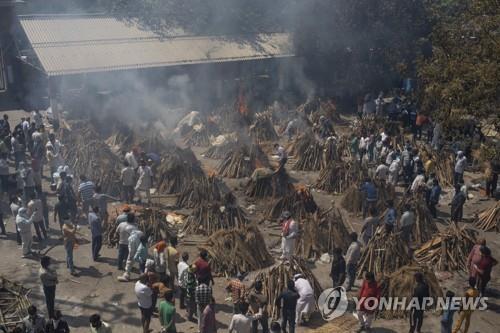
97,290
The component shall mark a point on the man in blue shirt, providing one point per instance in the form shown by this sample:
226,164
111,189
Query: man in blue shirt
434,197
369,194
390,217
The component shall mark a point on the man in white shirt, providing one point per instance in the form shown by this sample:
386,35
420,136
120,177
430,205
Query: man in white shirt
242,322
124,231
418,183
407,221
381,172
145,181
394,172
289,233
128,182
131,157
182,270
460,164
144,296
351,259
305,304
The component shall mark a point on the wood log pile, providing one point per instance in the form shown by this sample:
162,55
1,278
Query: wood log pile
218,152
330,152
321,232
198,136
201,191
215,216
385,253
448,250
238,250
270,184
444,164
337,177
274,280
14,303
299,203
93,158
262,130
401,284
153,223
489,219
178,170
308,152
425,227
242,162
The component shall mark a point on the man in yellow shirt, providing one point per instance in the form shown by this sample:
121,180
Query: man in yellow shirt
465,314
172,257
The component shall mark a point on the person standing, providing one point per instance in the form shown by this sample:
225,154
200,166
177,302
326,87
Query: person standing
172,257
124,231
367,294
202,267
491,178
258,305
390,217
18,150
145,181
352,257
208,322
15,204
101,200
420,292
69,236
141,255
286,303
28,181
95,224
407,161
289,233
457,205
407,222
49,280
483,269
465,313
167,313
57,324
460,164
306,301
435,194
182,271
128,181
241,322
370,225
132,157
23,225
338,270
99,326
86,191
144,296
202,295
35,210
159,259
447,317
238,292
191,285
369,192
133,245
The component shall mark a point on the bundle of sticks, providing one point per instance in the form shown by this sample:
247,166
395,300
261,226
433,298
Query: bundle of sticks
448,250
267,183
321,232
425,227
238,250
218,152
384,254
338,176
401,284
14,304
274,280
299,203
443,160
330,152
344,148
198,136
152,222
489,219
242,162
215,216
201,190
91,157
309,154
262,129
177,171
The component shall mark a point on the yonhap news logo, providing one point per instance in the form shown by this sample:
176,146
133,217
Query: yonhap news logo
332,303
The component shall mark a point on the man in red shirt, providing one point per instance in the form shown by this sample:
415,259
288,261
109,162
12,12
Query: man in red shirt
367,294
203,270
483,269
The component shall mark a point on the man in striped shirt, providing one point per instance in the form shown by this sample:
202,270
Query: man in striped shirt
86,191
202,295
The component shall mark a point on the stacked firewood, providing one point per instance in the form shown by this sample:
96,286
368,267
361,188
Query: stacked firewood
444,164
93,158
218,152
14,304
242,161
178,169
401,284
153,223
344,148
489,219
329,152
309,153
352,201
238,250
337,177
262,129
384,254
198,136
274,280
448,250
321,233
267,183
425,227
299,203
211,217
201,190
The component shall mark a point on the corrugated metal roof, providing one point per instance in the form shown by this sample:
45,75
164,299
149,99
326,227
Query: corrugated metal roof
81,44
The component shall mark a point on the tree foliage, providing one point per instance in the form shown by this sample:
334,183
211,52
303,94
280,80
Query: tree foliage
461,77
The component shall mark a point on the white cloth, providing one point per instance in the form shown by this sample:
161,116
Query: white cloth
288,241
144,295
353,253
144,182
460,164
241,323
160,261
181,269
306,301
124,230
131,160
